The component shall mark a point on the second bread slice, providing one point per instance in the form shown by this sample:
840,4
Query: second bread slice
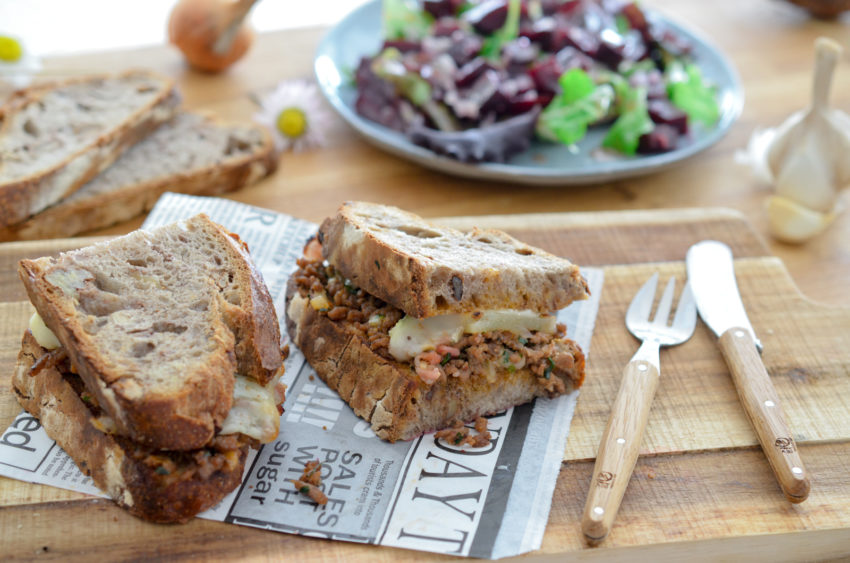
55,139
191,154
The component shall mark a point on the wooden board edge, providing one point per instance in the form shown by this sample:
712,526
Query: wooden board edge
806,545
46,246
580,219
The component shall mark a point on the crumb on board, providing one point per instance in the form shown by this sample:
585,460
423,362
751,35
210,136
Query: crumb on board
312,491
459,435
311,479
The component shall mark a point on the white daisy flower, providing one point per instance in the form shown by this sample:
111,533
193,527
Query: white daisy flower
17,64
295,115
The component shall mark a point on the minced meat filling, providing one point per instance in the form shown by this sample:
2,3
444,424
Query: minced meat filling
222,453
551,357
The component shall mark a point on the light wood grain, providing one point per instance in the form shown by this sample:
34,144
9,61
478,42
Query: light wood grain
764,409
618,450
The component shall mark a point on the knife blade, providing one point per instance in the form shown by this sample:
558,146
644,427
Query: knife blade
711,274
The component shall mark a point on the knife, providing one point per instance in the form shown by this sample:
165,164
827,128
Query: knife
712,278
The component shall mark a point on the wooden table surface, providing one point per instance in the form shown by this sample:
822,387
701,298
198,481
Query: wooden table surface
770,44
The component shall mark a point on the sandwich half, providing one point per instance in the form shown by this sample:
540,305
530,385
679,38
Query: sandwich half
166,345
418,326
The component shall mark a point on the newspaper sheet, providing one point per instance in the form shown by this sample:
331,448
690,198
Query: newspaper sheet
424,494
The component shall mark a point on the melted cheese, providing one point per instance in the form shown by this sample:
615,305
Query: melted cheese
43,335
254,411
411,336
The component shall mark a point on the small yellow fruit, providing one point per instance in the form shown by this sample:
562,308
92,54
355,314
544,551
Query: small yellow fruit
10,49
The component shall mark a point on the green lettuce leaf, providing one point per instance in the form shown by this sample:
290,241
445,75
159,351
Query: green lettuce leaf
405,19
634,121
568,116
690,93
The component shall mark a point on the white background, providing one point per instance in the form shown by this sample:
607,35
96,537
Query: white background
50,27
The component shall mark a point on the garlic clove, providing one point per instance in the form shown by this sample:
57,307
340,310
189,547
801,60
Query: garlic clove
808,156
804,176
791,222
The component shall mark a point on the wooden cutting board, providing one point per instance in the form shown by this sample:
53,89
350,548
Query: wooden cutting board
702,489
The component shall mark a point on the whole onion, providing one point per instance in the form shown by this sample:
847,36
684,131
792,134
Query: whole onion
211,34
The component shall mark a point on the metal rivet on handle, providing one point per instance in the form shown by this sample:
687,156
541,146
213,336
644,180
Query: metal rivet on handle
599,511
642,367
621,440
739,333
769,403
797,470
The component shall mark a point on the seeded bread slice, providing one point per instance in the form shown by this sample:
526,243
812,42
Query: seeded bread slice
427,270
192,154
157,323
53,140
154,485
389,395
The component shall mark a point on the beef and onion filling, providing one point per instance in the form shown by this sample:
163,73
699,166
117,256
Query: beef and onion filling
165,468
491,354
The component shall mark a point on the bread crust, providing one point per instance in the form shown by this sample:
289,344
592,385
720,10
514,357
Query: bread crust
388,252
69,218
26,196
107,459
397,403
245,338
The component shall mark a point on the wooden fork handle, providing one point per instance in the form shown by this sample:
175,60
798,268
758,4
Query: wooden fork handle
618,450
761,403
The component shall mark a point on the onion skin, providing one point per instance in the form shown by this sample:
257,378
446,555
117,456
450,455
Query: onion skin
196,25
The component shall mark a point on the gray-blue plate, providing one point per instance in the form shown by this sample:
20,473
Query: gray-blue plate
359,34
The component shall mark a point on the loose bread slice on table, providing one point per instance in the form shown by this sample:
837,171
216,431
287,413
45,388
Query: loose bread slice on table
53,140
389,395
191,154
154,485
427,270
157,323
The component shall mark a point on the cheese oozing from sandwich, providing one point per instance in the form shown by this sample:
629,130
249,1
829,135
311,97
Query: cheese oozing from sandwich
254,410
411,336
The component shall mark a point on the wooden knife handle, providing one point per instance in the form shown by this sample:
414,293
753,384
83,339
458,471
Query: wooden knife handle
618,450
762,405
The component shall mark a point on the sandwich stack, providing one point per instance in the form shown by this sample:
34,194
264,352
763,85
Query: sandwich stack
94,151
420,327
154,361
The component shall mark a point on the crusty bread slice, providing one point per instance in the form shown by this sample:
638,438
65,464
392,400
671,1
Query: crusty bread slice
426,270
153,485
53,140
157,323
192,154
389,395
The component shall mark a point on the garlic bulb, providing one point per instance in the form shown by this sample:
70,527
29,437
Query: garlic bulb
807,158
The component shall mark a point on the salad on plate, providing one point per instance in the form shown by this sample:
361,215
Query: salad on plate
478,80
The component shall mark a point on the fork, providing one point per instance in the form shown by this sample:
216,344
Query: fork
618,450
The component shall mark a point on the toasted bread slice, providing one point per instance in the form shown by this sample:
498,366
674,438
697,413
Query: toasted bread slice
339,343
193,154
157,324
55,139
427,270
154,485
